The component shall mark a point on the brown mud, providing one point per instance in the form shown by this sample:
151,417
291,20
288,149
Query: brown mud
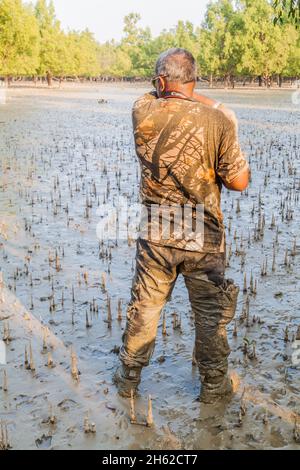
63,296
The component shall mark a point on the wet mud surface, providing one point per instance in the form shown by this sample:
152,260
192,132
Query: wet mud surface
63,297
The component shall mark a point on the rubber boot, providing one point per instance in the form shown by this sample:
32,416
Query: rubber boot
127,379
216,306
222,391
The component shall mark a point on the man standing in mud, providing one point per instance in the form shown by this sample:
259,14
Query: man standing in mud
188,149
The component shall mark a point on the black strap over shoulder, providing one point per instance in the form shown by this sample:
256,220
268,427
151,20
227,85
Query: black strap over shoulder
177,94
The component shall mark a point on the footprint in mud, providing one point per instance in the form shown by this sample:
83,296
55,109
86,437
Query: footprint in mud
43,442
277,439
66,404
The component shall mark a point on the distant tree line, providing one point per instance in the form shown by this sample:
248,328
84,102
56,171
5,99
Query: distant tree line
238,40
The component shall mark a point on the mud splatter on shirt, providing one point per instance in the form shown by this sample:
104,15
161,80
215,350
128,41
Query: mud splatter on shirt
185,150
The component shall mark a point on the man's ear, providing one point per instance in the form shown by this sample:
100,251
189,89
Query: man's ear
161,84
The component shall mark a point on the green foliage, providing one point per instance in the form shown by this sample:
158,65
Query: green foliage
19,39
287,9
237,38
240,39
83,54
217,40
113,61
50,38
264,47
137,45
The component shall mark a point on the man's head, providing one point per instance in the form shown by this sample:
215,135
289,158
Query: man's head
175,70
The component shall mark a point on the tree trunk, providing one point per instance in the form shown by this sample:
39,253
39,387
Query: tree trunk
260,81
210,80
49,78
280,80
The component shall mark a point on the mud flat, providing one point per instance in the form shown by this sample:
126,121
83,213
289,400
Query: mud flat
63,296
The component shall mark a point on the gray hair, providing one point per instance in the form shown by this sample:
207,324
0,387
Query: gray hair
178,64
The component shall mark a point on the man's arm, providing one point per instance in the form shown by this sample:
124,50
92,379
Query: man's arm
240,183
216,104
232,167
205,100
241,180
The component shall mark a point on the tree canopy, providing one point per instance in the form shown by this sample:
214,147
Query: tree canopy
237,38
289,8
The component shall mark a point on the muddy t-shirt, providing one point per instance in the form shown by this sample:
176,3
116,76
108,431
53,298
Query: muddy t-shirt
185,149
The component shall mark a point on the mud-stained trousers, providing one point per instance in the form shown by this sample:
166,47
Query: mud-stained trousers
213,301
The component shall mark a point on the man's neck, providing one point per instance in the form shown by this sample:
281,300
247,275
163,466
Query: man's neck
184,88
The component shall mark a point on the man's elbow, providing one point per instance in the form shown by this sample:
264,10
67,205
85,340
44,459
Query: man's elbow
240,183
